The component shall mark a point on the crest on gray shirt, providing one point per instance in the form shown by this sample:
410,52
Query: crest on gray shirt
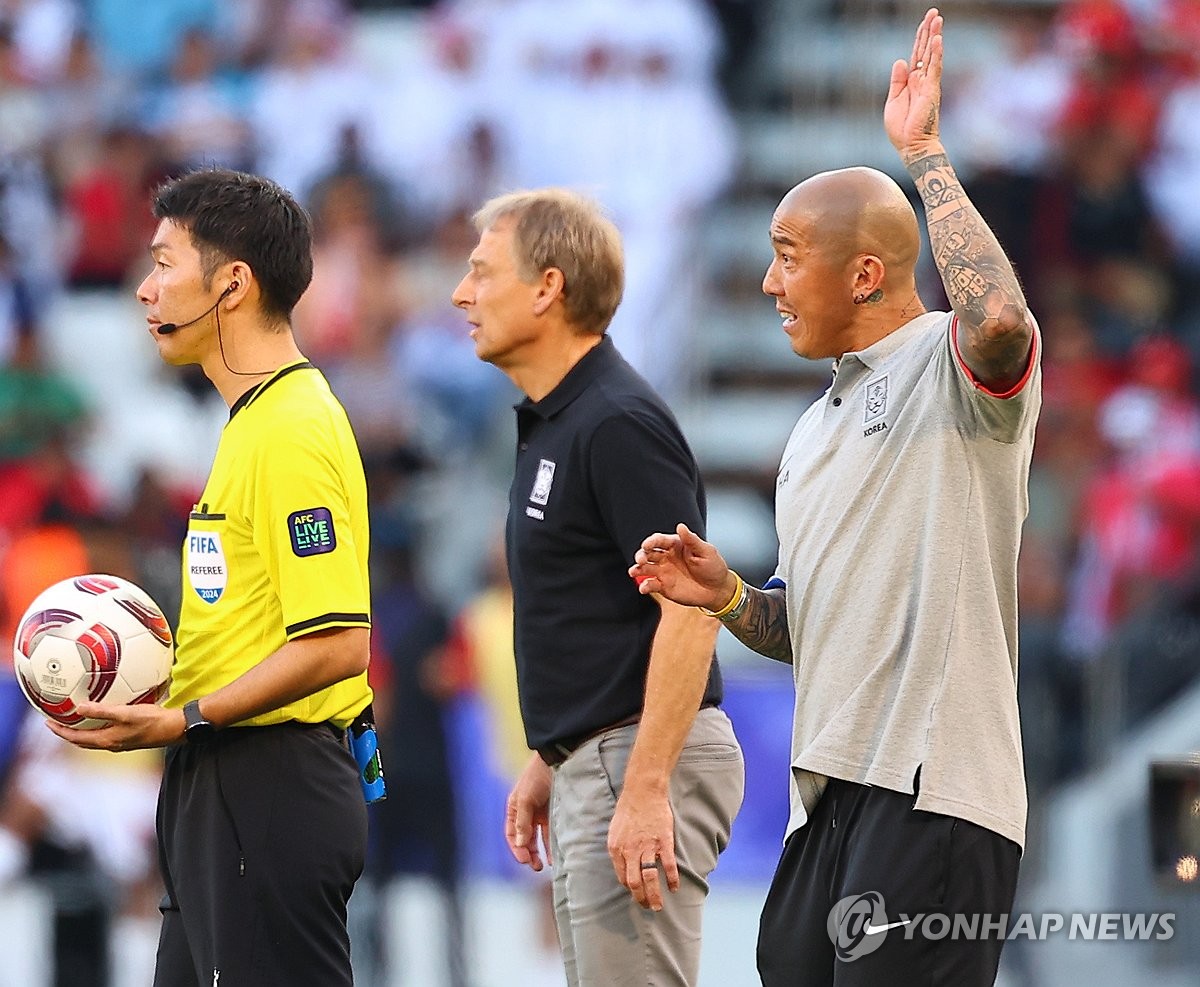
877,393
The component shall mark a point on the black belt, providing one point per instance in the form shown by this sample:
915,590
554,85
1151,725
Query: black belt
338,733
554,754
233,732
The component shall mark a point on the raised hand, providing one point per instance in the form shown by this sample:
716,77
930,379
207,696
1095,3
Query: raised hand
684,568
914,98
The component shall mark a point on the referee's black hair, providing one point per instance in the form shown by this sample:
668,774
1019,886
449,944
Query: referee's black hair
232,215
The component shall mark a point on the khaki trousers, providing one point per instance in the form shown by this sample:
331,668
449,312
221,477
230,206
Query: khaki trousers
607,938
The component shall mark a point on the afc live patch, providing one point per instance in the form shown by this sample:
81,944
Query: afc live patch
312,531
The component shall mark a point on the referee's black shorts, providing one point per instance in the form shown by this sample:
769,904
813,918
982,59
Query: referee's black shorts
262,834
868,848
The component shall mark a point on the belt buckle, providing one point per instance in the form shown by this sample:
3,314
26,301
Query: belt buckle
554,754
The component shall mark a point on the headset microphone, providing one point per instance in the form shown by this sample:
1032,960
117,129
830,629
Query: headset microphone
169,327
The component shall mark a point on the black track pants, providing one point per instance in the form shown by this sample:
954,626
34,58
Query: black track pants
262,833
892,863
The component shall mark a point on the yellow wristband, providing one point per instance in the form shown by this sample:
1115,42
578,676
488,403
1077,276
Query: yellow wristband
739,592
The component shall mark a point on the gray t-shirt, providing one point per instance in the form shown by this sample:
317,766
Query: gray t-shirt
899,504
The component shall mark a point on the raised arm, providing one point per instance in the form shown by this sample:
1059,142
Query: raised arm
995,329
686,569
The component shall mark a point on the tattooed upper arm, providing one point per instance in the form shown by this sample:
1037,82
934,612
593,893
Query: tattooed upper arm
995,329
763,625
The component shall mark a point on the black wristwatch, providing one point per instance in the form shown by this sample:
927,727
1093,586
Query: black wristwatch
196,728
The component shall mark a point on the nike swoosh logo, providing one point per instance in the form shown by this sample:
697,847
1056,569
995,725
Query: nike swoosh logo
870,930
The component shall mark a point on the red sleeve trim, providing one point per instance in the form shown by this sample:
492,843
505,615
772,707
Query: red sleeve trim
980,385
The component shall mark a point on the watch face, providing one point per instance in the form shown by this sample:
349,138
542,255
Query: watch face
197,728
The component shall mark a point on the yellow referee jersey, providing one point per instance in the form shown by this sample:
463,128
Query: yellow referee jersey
277,546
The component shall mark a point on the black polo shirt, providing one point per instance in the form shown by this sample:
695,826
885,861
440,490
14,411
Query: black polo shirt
601,464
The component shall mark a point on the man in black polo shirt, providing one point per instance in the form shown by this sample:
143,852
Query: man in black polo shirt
636,769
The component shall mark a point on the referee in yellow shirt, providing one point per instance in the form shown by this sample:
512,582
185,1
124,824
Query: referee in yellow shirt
262,825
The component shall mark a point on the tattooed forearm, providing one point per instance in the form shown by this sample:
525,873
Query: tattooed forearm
763,625
937,183
979,279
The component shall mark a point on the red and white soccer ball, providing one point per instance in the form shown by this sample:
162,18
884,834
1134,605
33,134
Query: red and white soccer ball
92,638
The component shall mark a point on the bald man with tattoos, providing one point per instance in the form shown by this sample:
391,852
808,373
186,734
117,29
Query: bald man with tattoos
899,504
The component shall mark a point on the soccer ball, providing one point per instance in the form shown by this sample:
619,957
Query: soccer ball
92,638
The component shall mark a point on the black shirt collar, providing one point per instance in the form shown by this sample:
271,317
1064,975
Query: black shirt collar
257,389
591,366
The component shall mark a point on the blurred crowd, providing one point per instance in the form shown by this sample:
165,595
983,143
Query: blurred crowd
1079,142
1081,147
391,144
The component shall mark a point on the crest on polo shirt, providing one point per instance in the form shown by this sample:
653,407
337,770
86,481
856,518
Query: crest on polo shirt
876,401
542,483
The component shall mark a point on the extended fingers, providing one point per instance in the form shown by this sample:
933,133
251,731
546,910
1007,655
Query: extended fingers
933,64
102,739
655,550
518,832
638,872
526,854
651,556
928,39
670,867
648,891
692,545
932,52
640,867
659,542
543,828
